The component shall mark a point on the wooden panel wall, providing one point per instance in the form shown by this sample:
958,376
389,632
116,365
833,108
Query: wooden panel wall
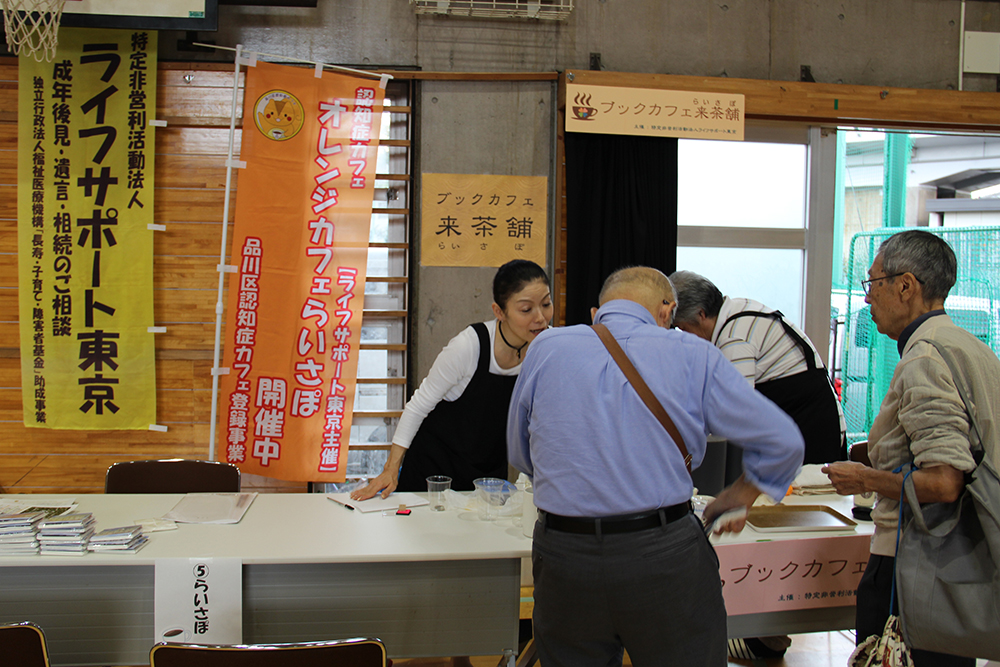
189,196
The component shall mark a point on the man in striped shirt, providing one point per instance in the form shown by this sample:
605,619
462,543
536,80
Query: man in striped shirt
780,361
774,355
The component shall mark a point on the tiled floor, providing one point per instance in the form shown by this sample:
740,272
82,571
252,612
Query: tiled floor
819,649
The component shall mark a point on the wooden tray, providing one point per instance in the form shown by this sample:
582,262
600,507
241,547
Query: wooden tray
796,518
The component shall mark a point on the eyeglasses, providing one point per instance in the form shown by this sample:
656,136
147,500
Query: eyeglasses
866,285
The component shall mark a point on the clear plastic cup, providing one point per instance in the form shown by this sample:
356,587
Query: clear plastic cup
436,486
491,493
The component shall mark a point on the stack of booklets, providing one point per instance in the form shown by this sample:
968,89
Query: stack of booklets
18,533
123,540
65,535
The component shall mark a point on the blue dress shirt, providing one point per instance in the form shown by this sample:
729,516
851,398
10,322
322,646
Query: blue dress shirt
593,449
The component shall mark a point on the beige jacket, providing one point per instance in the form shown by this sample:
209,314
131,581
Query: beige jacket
922,412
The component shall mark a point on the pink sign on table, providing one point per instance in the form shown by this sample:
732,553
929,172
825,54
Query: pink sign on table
782,575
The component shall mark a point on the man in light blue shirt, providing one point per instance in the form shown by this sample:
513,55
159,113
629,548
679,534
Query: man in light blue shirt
618,559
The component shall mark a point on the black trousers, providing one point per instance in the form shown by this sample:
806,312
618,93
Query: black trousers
655,593
874,595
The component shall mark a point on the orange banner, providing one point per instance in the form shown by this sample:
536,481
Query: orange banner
300,246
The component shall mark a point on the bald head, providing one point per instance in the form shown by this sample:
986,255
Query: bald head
644,285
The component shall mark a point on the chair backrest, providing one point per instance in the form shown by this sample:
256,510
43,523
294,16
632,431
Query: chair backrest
172,476
23,644
859,452
357,652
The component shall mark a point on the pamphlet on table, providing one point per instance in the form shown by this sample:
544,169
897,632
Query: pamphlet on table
378,504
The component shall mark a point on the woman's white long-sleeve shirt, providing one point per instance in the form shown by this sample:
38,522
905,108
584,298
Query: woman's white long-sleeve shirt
449,376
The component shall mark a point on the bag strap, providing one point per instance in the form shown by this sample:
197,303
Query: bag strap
899,527
807,353
641,388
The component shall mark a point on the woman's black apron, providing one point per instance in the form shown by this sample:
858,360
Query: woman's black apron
464,439
808,398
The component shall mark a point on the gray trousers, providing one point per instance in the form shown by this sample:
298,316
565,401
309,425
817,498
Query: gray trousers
655,592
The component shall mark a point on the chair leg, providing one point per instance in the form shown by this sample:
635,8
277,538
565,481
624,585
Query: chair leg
529,656
507,659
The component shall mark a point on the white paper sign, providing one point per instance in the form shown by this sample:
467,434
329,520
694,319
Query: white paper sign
199,600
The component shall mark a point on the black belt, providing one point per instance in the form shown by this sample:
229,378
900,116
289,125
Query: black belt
628,523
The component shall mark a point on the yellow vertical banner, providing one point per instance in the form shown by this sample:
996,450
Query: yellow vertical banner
85,249
300,249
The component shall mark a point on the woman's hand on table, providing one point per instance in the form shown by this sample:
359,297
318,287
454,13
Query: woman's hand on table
387,480
385,484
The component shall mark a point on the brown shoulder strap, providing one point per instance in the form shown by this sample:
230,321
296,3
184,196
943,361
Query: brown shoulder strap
641,388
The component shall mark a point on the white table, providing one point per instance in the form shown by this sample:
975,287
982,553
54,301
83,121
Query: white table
428,584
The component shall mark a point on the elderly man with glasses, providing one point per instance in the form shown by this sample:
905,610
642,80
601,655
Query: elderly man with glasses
922,419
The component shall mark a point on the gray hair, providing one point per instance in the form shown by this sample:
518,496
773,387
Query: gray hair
694,293
927,256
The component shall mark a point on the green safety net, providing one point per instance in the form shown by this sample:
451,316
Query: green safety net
870,190
869,358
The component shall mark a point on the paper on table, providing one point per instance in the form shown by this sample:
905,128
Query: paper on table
51,508
811,481
211,508
377,504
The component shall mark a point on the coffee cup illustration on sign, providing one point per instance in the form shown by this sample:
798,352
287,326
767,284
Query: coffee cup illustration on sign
582,109
176,635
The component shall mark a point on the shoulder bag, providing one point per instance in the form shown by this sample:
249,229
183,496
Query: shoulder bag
948,558
641,388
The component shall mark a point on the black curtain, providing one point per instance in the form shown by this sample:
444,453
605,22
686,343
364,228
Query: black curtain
621,210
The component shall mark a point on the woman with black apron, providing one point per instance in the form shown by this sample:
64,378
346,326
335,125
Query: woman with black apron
455,423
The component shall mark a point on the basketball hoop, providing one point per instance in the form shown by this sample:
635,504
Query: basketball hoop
32,26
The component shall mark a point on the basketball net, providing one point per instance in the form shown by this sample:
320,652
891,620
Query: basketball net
32,27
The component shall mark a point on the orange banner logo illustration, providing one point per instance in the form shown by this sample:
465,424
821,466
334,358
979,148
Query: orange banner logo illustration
278,115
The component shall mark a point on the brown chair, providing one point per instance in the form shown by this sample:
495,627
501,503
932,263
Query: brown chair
356,652
859,452
172,476
23,644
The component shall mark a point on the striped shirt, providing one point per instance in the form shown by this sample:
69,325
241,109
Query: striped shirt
758,346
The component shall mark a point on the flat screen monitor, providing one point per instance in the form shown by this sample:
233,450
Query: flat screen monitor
144,14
